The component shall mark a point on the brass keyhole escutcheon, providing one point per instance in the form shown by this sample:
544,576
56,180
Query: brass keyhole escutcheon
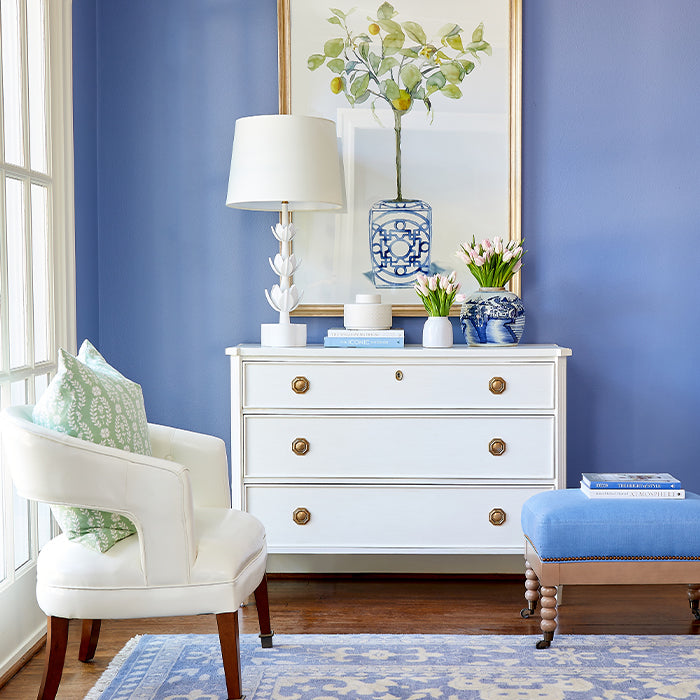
301,516
497,447
300,446
300,385
497,385
398,375
497,516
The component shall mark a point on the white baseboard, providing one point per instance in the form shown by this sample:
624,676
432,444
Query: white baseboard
11,661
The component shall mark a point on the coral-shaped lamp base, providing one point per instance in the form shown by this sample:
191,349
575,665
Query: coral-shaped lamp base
283,335
284,297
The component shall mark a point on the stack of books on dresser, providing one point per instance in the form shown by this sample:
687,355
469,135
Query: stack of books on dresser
631,485
364,338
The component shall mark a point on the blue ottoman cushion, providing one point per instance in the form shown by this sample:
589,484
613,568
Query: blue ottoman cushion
566,525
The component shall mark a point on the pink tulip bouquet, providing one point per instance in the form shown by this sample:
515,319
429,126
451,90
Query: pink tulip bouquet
438,293
492,263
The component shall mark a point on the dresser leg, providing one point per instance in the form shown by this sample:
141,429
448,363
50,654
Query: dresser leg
694,599
532,591
548,615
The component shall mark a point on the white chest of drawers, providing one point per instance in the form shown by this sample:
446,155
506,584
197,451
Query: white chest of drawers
401,451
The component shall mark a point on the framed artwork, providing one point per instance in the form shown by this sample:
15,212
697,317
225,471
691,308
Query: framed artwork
426,97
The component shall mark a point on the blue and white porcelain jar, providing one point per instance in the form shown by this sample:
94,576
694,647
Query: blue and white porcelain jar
492,316
400,232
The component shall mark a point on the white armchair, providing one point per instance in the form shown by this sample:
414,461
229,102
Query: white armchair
192,553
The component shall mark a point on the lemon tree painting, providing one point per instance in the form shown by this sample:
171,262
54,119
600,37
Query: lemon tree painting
396,62
425,96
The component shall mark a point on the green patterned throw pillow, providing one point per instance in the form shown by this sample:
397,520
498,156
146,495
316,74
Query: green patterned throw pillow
91,400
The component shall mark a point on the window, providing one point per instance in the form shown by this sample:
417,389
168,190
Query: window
37,308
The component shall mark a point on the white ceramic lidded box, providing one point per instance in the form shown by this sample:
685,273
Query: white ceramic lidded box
367,313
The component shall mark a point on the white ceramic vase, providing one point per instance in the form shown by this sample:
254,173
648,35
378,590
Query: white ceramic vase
437,332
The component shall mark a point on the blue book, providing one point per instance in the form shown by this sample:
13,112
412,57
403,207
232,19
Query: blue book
633,493
360,342
617,480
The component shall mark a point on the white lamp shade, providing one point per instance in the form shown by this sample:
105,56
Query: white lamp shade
285,158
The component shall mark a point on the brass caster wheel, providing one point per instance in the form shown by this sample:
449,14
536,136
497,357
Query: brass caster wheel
545,641
525,613
696,613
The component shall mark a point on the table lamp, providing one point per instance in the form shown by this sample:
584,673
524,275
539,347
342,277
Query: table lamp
284,163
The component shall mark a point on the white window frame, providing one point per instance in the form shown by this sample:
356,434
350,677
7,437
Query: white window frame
24,625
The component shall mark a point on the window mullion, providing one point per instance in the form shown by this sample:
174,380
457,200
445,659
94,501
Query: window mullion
33,530
29,313
2,112
28,273
4,315
8,514
19,172
20,373
4,323
55,338
24,53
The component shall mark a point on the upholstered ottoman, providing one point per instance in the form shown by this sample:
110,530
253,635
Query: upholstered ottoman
570,538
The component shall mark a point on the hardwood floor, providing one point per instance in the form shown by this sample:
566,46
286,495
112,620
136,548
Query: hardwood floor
364,603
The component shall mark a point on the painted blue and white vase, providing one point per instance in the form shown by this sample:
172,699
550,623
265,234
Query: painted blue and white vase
400,233
492,316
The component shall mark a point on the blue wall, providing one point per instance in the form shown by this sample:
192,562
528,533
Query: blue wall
85,157
169,276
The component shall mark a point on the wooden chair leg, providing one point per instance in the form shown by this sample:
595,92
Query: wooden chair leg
230,651
263,605
88,639
56,643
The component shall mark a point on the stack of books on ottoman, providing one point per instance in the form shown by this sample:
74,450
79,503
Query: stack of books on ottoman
622,485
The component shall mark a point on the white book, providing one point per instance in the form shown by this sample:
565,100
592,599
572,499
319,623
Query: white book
633,493
365,333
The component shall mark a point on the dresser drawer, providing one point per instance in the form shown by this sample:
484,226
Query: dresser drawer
399,518
402,385
399,447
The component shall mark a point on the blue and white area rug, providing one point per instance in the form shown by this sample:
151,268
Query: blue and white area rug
410,667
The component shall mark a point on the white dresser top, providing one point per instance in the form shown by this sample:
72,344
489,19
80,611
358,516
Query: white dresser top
461,352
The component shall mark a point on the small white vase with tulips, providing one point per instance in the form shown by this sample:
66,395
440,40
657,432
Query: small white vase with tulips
438,293
492,315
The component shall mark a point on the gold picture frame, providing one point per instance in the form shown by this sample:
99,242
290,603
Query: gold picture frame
512,11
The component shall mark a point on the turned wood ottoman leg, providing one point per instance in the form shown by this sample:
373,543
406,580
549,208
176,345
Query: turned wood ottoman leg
694,599
548,614
532,591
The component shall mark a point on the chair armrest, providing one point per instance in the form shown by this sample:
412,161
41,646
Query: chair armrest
205,457
155,494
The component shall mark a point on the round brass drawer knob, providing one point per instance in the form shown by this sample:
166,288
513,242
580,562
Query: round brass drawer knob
497,385
300,446
497,447
301,516
497,516
399,375
300,385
